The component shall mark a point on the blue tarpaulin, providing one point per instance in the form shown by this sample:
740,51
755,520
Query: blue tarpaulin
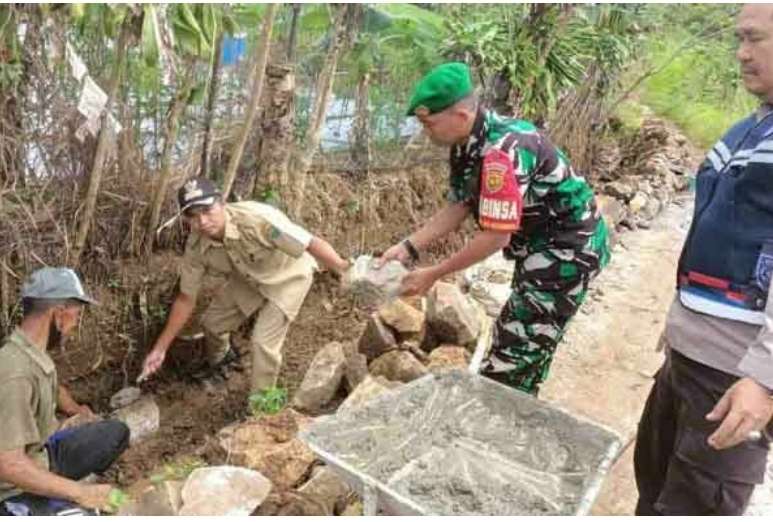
234,48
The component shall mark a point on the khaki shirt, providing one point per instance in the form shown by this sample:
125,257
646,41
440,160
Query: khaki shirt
263,253
28,394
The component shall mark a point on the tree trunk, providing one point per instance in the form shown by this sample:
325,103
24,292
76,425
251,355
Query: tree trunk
214,81
360,151
277,131
292,39
258,73
165,170
304,152
103,142
5,293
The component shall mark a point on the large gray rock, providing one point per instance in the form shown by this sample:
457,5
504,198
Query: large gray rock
124,397
269,445
368,389
373,286
398,365
322,378
452,318
376,339
327,488
223,490
162,499
407,321
355,370
142,416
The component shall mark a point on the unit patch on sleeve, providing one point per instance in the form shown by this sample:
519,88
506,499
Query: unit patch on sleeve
501,203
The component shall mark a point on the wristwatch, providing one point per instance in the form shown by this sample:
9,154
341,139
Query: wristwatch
411,249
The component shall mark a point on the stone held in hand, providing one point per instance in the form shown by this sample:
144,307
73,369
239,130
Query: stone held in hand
371,285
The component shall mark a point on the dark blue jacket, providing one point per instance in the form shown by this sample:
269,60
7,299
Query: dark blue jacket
727,259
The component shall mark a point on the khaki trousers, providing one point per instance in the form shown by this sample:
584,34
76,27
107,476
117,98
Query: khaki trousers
223,316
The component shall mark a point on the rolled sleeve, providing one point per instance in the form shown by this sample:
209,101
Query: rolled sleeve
758,361
286,236
19,426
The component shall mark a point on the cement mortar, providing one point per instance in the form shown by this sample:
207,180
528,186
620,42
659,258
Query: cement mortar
460,444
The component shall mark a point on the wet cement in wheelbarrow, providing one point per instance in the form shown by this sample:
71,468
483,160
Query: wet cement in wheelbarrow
460,444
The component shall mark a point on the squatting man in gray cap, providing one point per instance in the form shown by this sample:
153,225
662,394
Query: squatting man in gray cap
41,461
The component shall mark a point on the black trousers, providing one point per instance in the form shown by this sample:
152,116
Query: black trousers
677,472
74,453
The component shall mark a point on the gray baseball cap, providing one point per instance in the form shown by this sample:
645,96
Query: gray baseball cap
55,283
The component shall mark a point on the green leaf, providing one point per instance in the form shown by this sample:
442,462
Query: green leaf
117,498
149,42
269,401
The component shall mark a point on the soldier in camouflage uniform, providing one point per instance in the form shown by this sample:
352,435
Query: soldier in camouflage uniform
526,198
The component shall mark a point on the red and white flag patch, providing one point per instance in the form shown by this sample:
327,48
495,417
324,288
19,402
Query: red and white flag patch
501,203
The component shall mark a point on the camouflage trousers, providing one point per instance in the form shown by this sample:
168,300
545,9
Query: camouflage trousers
548,289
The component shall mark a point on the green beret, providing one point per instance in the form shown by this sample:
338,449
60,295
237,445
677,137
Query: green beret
440,88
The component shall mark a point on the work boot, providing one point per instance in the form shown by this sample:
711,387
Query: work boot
219,372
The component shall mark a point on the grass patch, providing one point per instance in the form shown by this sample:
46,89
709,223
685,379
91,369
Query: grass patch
702,96
268,402
631,114
177,470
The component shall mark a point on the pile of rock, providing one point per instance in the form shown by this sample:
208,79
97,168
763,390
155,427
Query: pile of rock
636,183
402,341
270,470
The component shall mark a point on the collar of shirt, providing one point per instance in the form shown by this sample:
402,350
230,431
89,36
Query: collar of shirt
38,356
764,110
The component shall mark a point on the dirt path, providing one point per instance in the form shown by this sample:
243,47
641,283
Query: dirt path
605,364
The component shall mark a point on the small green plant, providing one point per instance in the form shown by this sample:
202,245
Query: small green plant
177,470
352,207
116,499
270,195
157,312
269,401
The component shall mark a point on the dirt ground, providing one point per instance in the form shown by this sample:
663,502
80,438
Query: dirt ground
357,217
135,299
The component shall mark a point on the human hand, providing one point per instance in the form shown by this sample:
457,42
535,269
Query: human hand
745,407
95,496
396,252
419,281
152,363
79,419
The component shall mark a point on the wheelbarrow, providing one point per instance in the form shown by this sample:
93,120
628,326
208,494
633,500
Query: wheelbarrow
460,444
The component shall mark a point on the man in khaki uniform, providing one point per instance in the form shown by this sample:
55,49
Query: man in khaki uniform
39,462
268,261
